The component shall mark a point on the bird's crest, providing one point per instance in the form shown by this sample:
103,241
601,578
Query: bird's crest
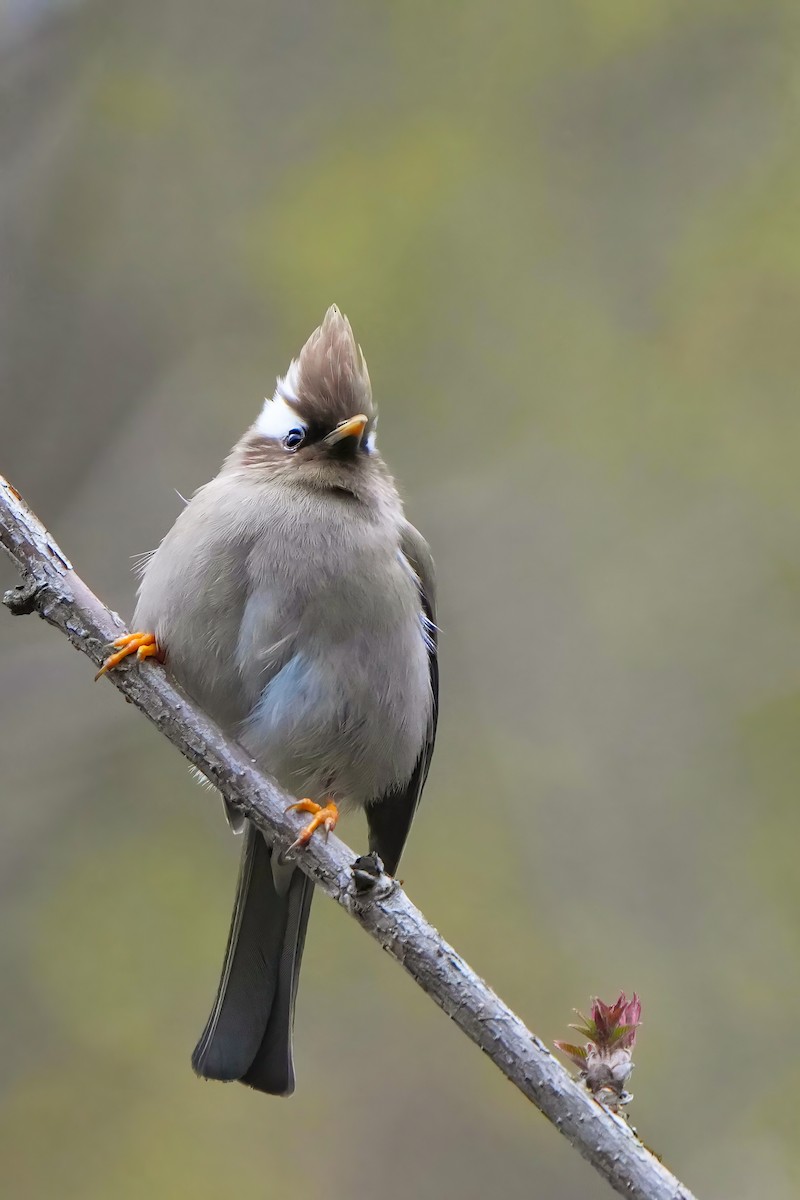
328,381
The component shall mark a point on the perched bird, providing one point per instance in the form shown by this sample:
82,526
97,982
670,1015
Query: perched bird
295,603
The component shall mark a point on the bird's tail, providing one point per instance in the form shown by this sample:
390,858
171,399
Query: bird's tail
249,1033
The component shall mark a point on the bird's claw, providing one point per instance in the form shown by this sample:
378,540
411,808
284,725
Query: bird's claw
324,816
143,645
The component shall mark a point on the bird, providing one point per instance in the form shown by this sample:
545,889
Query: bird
294,601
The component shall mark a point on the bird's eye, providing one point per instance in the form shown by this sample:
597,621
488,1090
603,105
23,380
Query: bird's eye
294,438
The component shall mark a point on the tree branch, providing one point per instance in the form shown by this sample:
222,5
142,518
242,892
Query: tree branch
51,588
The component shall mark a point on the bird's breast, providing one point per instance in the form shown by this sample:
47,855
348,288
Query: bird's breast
345,708
297,624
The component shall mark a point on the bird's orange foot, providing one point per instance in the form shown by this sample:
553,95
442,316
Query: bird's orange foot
324,816
143,645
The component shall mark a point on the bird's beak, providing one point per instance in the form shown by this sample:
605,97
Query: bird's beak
353,428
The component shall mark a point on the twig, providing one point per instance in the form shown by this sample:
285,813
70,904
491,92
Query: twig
51,588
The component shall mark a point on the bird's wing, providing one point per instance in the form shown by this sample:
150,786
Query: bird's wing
389,816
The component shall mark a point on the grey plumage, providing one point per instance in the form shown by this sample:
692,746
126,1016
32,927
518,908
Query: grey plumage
296,604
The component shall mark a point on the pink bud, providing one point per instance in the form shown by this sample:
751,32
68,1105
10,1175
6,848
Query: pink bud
605,1062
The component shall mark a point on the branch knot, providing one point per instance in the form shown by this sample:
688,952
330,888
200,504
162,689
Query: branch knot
21,600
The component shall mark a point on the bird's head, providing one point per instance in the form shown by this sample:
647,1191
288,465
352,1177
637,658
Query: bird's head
319,426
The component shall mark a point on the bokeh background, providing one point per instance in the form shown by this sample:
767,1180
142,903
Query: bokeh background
568,237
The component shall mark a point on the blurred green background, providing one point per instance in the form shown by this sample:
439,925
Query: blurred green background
568,238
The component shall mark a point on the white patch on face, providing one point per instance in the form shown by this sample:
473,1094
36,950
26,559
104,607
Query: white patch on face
371,439
287,387
277,417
